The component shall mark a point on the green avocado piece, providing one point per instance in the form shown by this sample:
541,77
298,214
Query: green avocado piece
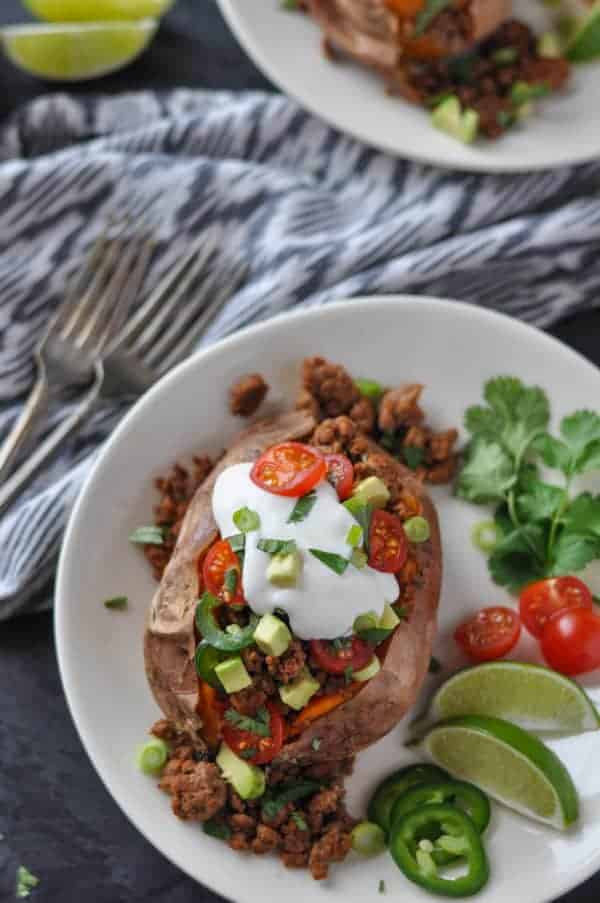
272,636
372,491
233,675
297,693
284,570
247,780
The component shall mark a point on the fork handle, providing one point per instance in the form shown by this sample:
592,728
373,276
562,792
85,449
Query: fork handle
35,408
33,464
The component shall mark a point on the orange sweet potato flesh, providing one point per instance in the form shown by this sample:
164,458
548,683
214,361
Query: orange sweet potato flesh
169,641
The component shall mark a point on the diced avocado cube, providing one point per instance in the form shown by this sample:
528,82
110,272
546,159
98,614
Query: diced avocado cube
284,570
372,491
272,636
548,45
247,780
368,671
297,693
389,619
233,675
450,118
368,621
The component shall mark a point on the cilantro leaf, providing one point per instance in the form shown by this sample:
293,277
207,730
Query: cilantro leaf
413,456
216,829
488,473
276,546
579,429
514,416
25,882
302,508
554,452
259,725
519,557
541,501
573,551
583,515
288,793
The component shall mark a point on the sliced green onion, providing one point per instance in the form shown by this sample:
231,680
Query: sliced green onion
370,388
368,621
237,542
417,529
152,756
368,839
117,602
230,581
486,535
358,559
276,546
504,56
148,536
246,520
302,508
354,536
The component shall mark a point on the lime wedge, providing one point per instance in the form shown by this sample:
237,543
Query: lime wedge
76,52
533,697
98,10
585,42
509,764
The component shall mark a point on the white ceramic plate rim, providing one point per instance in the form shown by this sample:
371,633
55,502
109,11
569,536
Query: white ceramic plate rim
228,345
440,150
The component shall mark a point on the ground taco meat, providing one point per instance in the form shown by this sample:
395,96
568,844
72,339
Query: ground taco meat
247,394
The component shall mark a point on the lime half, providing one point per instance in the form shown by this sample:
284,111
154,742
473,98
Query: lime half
533,697
509,764
97,10
76,52
584,45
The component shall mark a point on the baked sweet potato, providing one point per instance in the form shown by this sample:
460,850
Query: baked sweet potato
363,714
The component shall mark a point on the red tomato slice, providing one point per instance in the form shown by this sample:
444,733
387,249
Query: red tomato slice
220,559
340,474
541,601
266,748
571,641
490,634
290,468
337,655
388,546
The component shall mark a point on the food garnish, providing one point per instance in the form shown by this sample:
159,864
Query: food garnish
148,536
118,603
25,882
302,508
334,562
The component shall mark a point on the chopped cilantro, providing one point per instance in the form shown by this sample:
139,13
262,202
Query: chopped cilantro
413,456
117,602
25,882
335,562
276,546
259,725
302,508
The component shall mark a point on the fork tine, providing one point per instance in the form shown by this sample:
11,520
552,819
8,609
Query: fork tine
133,284
164,300
186,341
77,284
86,305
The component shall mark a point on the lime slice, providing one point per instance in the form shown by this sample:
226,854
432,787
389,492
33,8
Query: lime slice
98,10
76,52
509,764
533,697
585,43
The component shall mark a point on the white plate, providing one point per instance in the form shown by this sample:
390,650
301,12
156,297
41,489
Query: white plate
287,47
451,347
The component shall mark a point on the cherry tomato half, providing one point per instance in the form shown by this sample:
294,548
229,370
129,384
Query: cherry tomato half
340,474
244,742
571,641
219,560
541,601
388,546
490,634
290,468
337,655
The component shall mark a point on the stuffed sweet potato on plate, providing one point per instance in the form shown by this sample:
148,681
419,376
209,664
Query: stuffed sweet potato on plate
294,621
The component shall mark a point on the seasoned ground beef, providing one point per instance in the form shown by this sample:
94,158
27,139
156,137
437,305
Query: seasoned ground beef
330,384
483,80
400,407
247,394
197,788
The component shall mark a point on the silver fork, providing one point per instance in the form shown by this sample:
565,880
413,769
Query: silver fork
68,352
150,344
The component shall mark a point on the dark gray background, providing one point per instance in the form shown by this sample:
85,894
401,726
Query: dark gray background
55,815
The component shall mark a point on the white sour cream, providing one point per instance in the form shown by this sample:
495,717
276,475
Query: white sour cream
322,604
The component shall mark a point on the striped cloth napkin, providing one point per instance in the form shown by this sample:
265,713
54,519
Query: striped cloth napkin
317,215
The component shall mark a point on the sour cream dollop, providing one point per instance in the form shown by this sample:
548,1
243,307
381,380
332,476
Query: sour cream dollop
322,604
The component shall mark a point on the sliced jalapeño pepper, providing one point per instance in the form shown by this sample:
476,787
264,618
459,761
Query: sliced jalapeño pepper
206,658
382,801
411,848
229,640
458,793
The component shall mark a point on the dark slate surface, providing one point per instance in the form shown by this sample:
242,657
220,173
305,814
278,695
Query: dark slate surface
55,815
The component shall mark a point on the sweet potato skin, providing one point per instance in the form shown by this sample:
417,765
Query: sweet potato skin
376,709
169,641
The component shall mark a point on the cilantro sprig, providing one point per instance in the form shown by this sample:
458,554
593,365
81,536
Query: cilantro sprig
261,725
545,529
